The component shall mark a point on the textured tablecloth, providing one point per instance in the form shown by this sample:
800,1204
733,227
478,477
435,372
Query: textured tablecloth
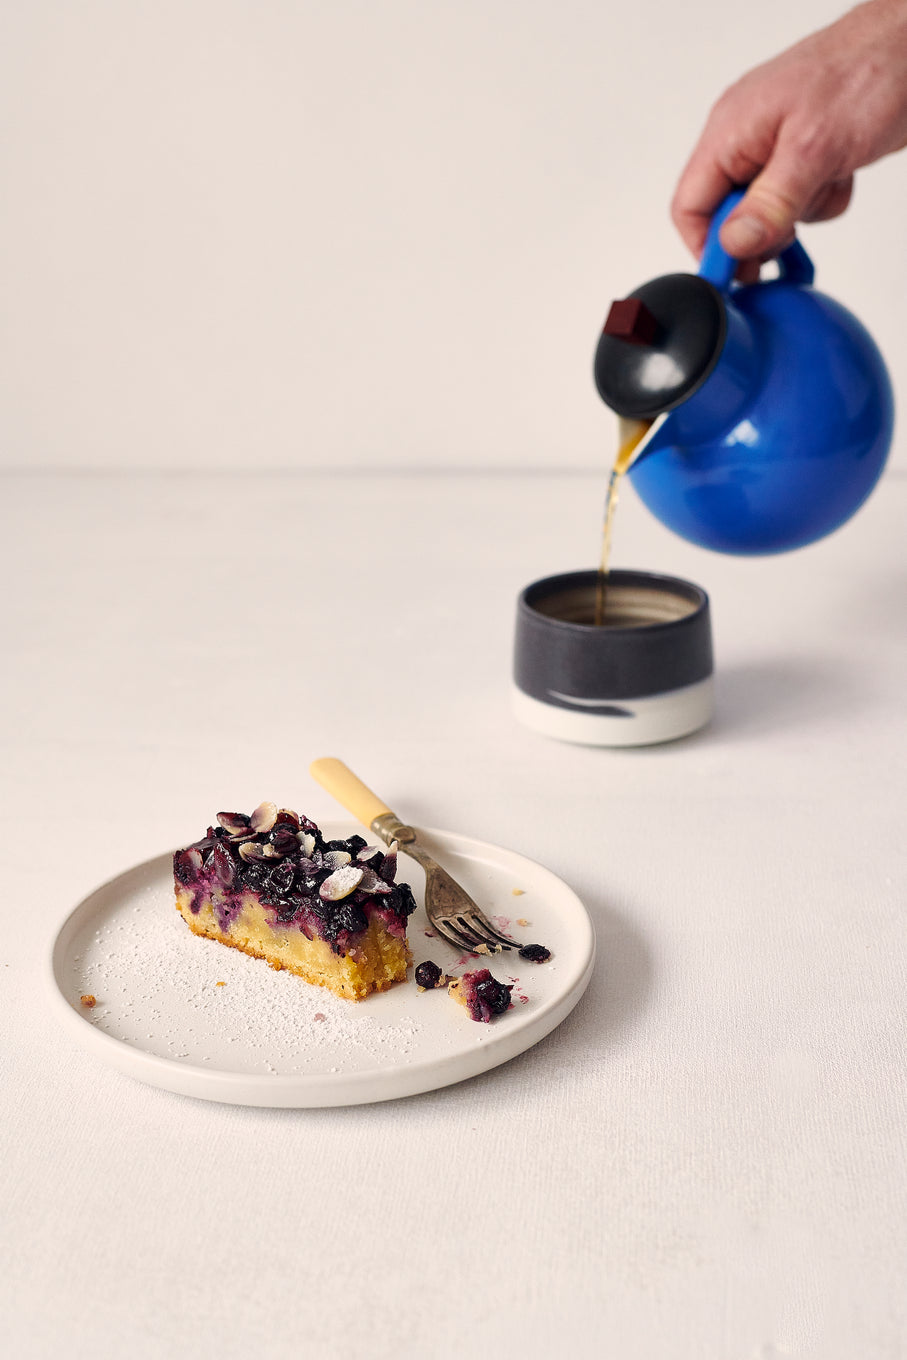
707,1159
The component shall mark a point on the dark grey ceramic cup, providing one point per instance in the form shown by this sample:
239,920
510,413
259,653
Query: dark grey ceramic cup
643,677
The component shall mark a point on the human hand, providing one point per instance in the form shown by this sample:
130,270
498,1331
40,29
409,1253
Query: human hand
795,130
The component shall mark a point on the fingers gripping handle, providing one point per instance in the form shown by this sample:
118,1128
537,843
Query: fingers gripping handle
718,267
349,791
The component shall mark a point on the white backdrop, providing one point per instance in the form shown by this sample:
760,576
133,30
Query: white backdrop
257,233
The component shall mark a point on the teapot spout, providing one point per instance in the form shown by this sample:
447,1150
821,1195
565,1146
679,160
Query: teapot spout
637,439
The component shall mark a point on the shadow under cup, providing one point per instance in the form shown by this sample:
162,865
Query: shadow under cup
644,676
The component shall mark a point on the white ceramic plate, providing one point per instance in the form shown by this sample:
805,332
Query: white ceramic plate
192,1016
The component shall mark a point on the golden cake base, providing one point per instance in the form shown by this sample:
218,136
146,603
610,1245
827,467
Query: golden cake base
375,962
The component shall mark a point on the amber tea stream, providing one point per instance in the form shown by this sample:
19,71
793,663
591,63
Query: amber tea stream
631,433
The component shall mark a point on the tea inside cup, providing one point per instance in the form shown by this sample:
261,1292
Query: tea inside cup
643,675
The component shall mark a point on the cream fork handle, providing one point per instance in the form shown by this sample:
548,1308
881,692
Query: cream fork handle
447,905
349,790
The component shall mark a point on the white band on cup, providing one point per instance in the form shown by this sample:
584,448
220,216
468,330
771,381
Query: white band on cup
630,722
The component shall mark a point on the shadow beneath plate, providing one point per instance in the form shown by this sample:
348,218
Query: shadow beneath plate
617,995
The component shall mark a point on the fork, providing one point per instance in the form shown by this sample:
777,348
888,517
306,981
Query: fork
449,908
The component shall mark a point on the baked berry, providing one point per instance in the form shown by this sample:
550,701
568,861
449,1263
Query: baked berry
481,994
224,864
535,953
428,975
280,880
283,839
493,994
403,900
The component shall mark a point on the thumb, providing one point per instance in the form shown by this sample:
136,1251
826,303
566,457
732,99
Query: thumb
777,199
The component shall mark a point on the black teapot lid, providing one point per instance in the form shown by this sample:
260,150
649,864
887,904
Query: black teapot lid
659,344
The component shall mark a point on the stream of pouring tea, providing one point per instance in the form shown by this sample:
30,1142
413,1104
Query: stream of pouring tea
631,433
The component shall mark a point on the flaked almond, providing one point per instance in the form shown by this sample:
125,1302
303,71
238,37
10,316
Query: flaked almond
341,883
253,850
234,823
371,883
368,852
334,859
264,817
307,842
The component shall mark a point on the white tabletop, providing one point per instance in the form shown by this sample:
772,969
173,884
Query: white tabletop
706,1159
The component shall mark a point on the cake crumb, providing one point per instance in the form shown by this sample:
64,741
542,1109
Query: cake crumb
88,1000
521,921
220,984
481,994
518,892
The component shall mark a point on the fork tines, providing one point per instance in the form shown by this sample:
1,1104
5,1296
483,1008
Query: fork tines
467,932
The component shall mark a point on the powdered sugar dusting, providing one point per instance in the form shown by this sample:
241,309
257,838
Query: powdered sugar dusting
150,976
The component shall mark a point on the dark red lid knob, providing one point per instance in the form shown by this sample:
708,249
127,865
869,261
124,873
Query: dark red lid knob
630,319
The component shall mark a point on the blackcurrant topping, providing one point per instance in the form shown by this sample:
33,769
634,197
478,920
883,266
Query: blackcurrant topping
335,845
280,880
185,868
402,897
535,953
265,853
224,865
284,839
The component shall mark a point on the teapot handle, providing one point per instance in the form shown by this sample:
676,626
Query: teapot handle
718,267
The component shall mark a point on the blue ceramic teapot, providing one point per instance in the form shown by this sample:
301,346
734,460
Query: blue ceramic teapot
773,406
